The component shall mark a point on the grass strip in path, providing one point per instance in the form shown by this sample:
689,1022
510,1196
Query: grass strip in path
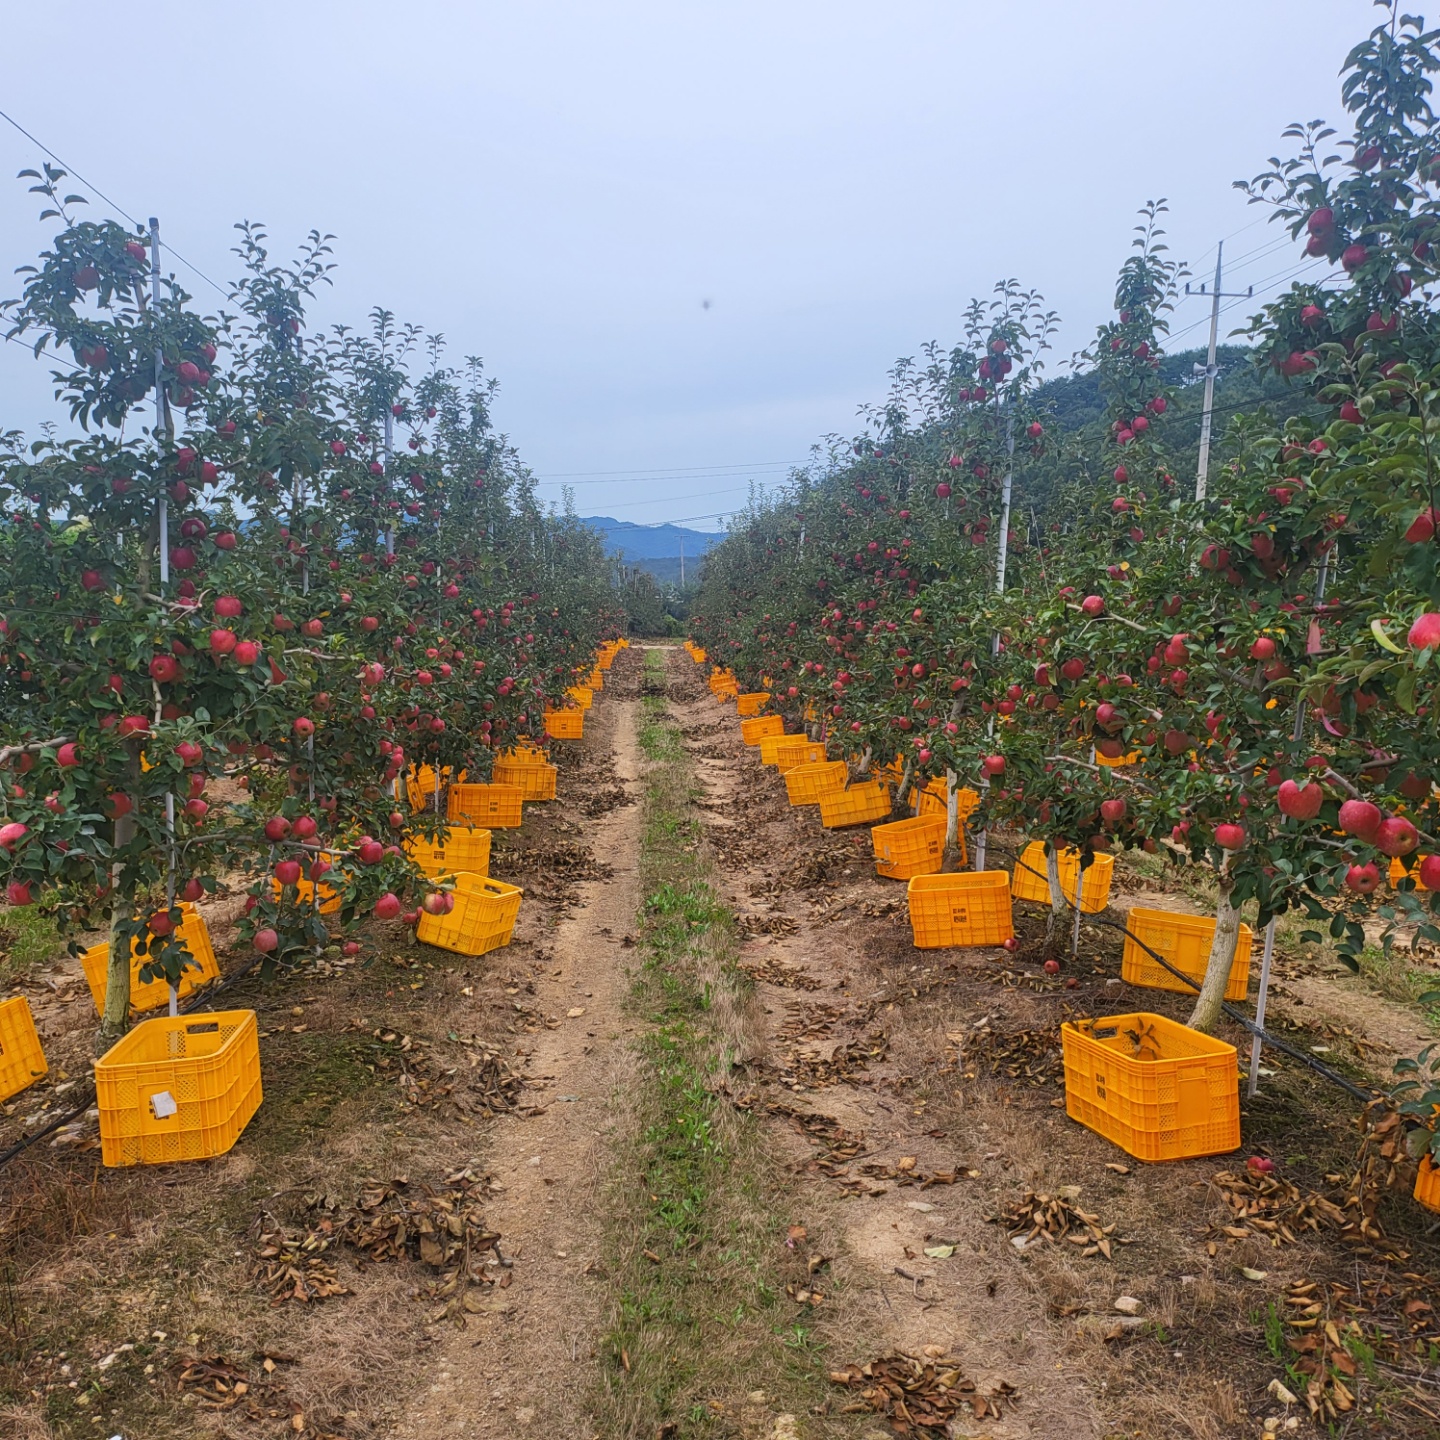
696,1255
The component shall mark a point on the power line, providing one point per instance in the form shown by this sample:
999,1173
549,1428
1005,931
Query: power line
114,205
674,470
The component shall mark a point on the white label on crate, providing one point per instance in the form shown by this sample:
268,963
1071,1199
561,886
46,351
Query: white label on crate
163,1105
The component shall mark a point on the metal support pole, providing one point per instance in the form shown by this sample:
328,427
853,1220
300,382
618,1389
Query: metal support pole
1260,1008
1296,733
1205,417
1006,493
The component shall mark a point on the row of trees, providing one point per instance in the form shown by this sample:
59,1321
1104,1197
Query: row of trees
1267,653
298,563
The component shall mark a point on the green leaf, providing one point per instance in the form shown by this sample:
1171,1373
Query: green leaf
1378,631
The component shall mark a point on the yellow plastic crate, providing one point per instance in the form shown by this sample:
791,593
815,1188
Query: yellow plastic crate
768,744
178,1088
483,918
1427,1184
698,656
1184,940
752,732
565,724
965,908
1133,758
305,892
906,848
493,807
1030,881
862,801
1154,1087
420,784
22,1061
1398,872
462,847
752,703
582,695
793,750
809,784
150,994
931,800
534,782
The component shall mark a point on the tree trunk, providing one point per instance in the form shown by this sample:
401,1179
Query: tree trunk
951,857
863,771
907,783
115,1019
1217,969
1055,923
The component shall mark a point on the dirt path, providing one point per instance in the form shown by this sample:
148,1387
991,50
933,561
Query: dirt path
521,1367
827,1025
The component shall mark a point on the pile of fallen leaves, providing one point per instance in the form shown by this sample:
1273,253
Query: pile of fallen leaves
217,1384
556,857
1269,1207
602,801
751,926
292,1264
442,1226
486,1084
812,1020
918,1397
771,972
846,1063
1037,1215
1029,1057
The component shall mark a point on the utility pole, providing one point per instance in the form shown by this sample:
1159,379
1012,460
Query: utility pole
1211,369
682,562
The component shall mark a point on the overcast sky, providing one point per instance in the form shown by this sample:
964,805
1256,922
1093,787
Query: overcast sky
561,187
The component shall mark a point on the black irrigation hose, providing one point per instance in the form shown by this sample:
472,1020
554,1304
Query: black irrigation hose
1360,1092
200,1000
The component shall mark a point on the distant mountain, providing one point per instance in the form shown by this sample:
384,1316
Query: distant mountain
656,548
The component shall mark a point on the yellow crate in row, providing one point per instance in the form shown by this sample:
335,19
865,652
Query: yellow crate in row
857,803
1031,880
965,908
461,847
483,917
809,784
751,703
534,782
906,848
1184,940
1154,1087
492,807
178,1088
150,994
565,724
753,731
22,1061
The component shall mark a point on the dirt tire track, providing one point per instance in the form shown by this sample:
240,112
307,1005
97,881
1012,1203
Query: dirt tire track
524,1368
981,1307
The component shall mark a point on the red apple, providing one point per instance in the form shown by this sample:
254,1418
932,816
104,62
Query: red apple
387,907
1363,879
1395,836
1360,818
1302,802
266,940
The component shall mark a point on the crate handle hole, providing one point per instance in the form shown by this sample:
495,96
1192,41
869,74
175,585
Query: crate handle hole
208,1027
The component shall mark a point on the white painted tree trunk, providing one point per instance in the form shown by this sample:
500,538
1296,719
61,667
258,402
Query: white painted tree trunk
1217,969
951,856
1053,925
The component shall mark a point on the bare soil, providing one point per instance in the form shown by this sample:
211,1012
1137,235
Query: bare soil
913,1105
